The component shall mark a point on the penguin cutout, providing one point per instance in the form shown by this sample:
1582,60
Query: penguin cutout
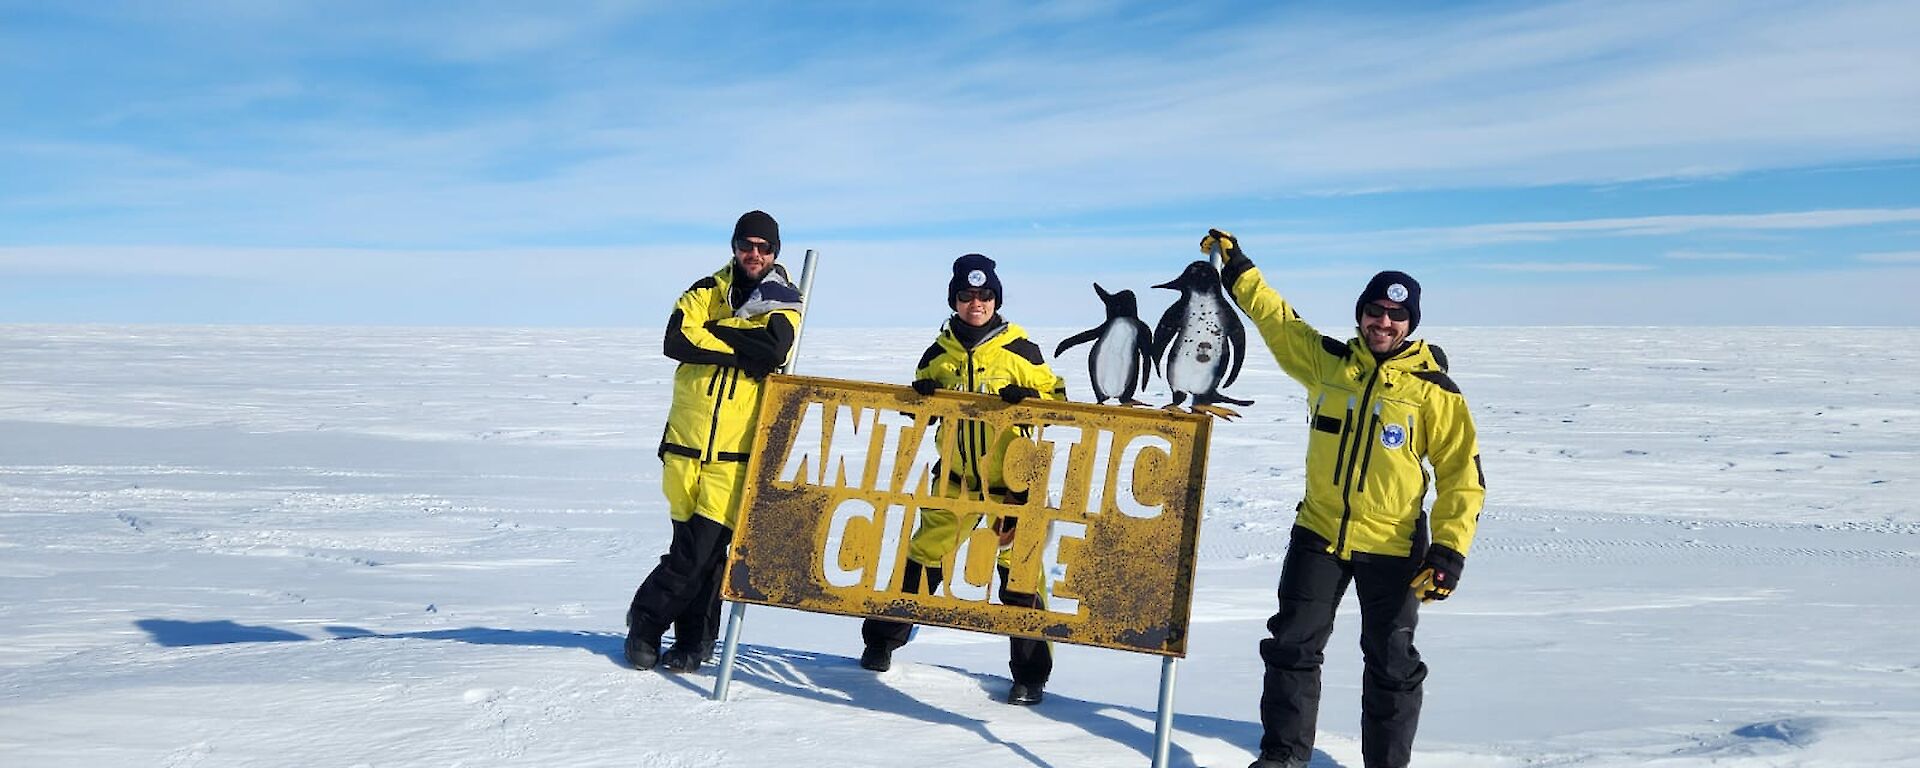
1121,360
1200,341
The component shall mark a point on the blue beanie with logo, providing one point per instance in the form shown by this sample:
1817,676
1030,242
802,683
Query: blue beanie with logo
1398,287
975,271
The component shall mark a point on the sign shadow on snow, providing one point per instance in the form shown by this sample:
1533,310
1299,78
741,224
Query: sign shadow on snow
1102,720
823,678
840,681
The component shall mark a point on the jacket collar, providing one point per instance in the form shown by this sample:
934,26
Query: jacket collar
1414,355
997,332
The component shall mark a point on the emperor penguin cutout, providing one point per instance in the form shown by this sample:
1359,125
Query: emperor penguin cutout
1121,360
1200,341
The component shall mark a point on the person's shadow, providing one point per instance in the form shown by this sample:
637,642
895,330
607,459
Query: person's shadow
828,679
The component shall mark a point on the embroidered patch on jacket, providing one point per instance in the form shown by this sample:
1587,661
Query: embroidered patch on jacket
1393,436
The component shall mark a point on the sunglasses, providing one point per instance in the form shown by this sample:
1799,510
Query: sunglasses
973,294
1396,314
744,245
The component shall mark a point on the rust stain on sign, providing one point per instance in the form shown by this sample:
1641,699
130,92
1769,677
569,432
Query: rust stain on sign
1107,502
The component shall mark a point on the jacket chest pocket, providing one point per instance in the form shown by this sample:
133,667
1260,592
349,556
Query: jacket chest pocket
1360,436
1332,407
1394,425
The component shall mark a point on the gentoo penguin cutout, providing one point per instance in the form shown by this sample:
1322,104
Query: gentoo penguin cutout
1121,361
1200,341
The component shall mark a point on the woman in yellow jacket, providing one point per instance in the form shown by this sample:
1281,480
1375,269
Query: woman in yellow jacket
976,351
1379,404
728,331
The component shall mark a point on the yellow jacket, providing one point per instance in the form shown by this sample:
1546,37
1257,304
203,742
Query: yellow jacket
1370,425
1003,357
715,404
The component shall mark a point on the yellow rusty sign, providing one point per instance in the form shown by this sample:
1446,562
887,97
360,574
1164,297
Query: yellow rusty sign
846,480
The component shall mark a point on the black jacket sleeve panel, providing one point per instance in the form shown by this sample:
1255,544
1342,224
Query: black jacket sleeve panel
933,351
681,348
1027,350
1335,347
783,333
1438,379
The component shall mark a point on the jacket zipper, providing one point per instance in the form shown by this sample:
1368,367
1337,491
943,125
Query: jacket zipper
1372,436
1346,489
1340,454
721,392
968,429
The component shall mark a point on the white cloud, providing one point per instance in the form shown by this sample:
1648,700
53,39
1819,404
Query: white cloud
1681,224
1722,256
892,284
1287,234
972,121
1830,297
1891,257
1563,266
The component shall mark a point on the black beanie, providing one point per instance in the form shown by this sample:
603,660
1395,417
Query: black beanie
975,271
757,224
1398,287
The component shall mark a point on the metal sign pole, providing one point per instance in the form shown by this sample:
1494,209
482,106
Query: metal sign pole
1170,666
1163,729
738,613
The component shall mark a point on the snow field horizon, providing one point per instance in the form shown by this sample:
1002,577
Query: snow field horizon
265,545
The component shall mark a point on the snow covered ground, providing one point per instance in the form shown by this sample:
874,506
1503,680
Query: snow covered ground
296,546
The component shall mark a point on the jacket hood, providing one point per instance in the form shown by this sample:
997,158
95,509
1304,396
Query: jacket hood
773,293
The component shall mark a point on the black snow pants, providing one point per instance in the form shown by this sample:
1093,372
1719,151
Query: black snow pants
1030,661
1312,581
683,591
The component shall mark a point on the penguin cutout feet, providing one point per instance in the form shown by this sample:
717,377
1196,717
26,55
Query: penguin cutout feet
1204,408
1214,410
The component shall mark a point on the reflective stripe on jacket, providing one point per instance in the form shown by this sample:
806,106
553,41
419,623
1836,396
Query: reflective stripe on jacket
1370,424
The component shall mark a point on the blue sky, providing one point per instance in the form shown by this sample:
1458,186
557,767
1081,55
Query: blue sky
1616,163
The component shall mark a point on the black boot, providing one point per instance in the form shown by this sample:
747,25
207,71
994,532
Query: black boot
1026,694
1278,762
682,660
876,658
642,654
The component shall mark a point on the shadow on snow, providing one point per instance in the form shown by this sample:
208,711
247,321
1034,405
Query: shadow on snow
824,678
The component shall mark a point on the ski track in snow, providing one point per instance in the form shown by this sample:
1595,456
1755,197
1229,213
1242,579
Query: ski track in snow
236,546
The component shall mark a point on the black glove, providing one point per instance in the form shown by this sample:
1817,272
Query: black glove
1439,574
1237,261
754,351
755,368
1014,393
925,386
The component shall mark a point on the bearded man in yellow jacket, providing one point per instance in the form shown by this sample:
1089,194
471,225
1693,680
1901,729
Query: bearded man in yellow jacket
728,332
1379,404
